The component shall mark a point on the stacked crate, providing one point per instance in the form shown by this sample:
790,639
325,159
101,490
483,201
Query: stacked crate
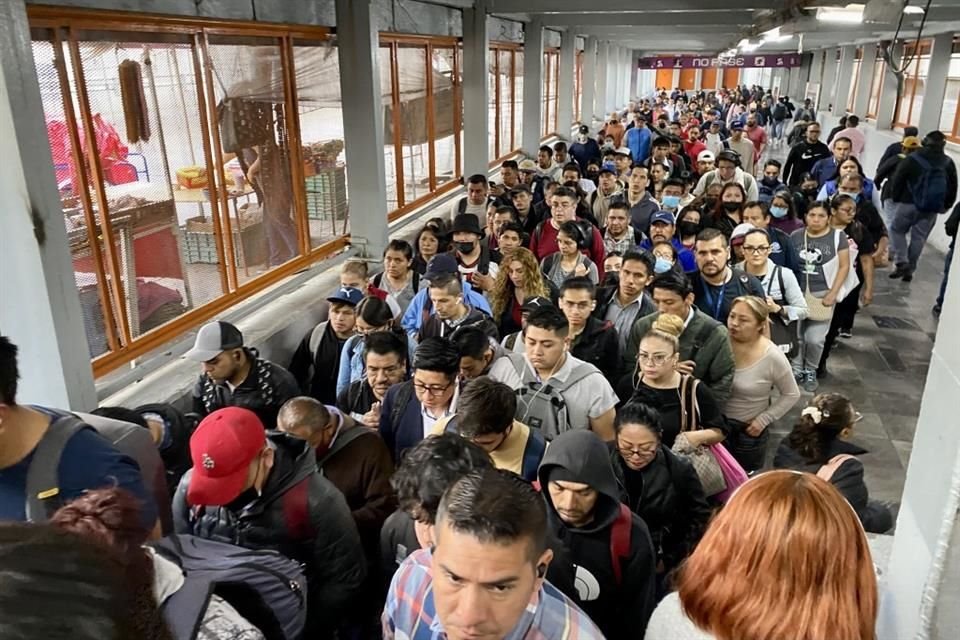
327,193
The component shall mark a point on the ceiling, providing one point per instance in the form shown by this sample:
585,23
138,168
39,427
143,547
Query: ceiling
712,26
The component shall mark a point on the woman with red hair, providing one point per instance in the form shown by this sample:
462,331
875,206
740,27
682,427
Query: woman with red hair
786,558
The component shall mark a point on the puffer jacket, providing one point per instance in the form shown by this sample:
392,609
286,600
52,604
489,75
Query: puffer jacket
670,500
328,545
621,609
599,345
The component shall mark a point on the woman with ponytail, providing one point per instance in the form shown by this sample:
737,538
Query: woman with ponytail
818,444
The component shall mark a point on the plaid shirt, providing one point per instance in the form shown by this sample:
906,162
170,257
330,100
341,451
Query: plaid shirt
410,612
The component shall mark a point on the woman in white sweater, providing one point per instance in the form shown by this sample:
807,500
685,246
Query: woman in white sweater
761,369
785,558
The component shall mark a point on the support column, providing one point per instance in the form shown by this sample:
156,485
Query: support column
588,97
868,64
358,43
936,82
617,70
568,69
625,74
532,86
888,92
634,75
844,78
476,125
41,311
827,95
602,69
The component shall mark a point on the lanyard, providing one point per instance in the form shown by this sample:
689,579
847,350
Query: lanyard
708,294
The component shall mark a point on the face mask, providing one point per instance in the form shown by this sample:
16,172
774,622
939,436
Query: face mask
662,265
810,193
853,194
778,212
670,202
711,202
731,206
770,182
581,138
611,278
465,247
689,228
593,175
241,501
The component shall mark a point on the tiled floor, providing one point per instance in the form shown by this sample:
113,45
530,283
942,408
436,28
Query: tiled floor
883,369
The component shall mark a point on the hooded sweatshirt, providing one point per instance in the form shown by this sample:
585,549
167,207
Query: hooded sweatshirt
620,610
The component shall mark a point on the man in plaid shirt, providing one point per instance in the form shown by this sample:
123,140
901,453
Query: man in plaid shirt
483,579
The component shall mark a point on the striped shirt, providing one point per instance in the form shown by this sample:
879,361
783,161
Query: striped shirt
411,614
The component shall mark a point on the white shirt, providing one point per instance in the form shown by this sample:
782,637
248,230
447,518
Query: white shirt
430,420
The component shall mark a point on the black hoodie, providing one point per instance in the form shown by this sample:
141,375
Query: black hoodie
621,611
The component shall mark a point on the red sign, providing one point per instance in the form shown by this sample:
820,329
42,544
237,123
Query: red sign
698,62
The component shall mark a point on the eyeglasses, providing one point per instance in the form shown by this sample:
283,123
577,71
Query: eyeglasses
638,452
656,359
433,389
755,250
847,210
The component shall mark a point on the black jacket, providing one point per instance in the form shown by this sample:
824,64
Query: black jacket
621,611
668,495
801,159
329,546
599,345
909,172
264,391
316,369
885,171
435,326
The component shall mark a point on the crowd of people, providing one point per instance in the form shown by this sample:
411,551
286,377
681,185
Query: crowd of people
547,417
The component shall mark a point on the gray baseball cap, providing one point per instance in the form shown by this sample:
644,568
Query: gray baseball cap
213,339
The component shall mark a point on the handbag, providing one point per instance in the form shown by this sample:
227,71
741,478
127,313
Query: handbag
783,332
733,473
816,310
703,461
832,267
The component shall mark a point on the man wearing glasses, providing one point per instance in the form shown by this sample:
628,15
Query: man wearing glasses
804,155
411,409
563,208
715,285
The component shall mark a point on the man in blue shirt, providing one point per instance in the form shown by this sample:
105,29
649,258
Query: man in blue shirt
638,139
662,229
826,169
87,461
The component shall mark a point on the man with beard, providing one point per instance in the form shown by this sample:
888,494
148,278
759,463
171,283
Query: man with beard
385,359
663,229
804,155
715,285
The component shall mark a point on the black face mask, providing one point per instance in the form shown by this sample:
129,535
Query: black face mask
731,206
810,193
465,247
246,497
593,175
689,228
710,202
770,182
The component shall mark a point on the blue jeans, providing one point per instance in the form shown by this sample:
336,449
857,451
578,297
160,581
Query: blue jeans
906,219
778,129
946,271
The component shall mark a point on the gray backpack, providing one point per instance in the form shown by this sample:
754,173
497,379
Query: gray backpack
541,405
265,587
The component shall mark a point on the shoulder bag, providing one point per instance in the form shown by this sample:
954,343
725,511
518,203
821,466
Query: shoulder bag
703,461
817,311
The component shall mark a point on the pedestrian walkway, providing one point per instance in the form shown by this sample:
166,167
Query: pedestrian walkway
883,369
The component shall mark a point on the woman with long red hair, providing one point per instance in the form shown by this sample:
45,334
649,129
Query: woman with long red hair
786,558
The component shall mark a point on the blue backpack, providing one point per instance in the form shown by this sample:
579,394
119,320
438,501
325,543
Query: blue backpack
930,193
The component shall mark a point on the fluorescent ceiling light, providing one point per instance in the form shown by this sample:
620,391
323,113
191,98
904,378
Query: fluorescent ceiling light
911,9
772,34
850,14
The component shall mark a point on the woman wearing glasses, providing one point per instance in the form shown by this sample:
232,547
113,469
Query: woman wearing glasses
685,405
818,444
658,485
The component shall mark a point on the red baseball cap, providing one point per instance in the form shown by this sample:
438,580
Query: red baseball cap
222,448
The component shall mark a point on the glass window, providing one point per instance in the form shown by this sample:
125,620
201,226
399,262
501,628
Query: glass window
951,98
446,116
517,101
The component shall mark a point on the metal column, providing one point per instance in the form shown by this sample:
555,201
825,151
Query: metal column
358,43
568,69
589,95
844,78
603,67
476,125
936,89
41,310
868,63
827,94
533,85
888,92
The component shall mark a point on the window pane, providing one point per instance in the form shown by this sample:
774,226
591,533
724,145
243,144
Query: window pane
518,102
493,150
507,113
320,108
249,72
444,109
949,110
389,150
411,66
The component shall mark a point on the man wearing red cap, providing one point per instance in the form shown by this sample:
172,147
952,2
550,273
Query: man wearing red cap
263,491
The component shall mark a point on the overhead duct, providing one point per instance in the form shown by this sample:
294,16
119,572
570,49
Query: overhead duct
883,11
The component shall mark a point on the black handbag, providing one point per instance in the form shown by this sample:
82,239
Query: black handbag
783,332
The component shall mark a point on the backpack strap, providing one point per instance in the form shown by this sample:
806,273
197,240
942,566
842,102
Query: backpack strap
296,511
620,535
43,477
689,418
532,453
826,471
316,337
